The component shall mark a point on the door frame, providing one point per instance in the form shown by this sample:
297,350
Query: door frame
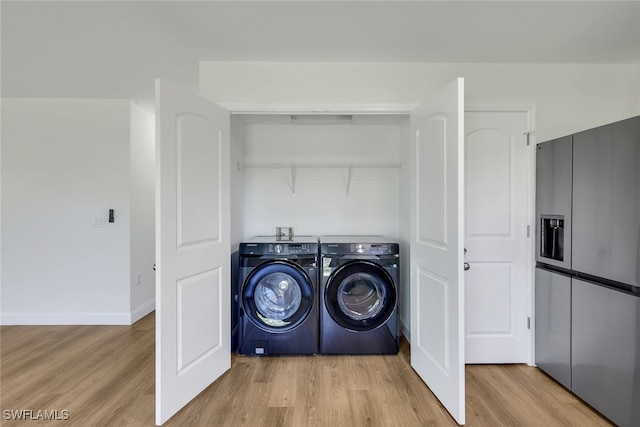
392,108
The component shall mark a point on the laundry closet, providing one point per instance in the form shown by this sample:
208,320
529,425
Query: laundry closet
320,174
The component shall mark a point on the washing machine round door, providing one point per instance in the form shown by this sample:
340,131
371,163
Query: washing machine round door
277,296
360,295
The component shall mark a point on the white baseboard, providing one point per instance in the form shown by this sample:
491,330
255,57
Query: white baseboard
142,310
130,318
65,318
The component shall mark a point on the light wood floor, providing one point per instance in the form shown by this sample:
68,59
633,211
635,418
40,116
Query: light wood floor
104,376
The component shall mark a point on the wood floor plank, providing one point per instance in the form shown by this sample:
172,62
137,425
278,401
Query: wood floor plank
104,376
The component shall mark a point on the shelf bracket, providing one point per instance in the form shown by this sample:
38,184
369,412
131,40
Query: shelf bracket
349,170
293,180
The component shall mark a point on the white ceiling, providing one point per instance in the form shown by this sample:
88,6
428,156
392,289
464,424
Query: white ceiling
108,49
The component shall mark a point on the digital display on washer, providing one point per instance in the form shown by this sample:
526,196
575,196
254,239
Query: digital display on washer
382,248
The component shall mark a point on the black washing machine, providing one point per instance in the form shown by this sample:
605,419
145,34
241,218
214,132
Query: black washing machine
278,296
359,295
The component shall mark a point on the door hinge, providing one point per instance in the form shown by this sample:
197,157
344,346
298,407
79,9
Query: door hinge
528,322
528,231
528,135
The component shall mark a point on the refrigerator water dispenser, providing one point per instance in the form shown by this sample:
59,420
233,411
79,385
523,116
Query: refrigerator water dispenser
552,237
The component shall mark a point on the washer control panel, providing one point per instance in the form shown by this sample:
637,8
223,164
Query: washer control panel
291,248
278,248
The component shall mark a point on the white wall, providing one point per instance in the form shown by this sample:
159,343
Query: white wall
321,203
65,163
568,97
142,202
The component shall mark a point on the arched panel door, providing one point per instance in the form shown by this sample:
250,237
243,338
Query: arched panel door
193,334
437,244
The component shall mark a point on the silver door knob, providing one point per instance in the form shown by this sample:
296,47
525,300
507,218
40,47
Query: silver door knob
466,266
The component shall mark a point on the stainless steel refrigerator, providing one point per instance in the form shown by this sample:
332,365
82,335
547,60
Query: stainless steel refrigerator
588,266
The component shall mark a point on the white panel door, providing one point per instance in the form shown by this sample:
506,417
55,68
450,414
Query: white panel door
436,246
498,210
192,247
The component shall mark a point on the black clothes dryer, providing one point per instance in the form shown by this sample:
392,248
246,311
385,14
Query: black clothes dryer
278,296
359,295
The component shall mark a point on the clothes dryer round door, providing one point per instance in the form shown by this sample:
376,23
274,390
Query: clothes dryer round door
360,295
277,296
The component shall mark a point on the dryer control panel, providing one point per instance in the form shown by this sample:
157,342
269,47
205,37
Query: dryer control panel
360,248
371,249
